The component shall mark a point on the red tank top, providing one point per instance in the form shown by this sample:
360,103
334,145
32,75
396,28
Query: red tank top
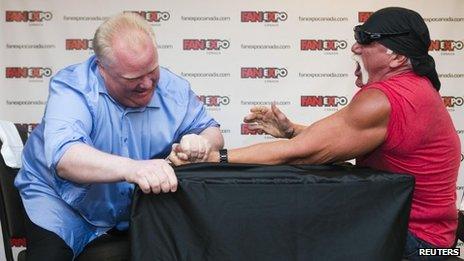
421,140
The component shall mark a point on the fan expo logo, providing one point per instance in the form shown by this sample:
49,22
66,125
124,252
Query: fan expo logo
152,16
245,130
205,44
323,101
79,44
28,16
263,72
214,100
263,16
362,16
452,101
27,72
322,45
446,47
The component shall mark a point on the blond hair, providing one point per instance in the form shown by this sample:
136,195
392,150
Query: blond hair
127,25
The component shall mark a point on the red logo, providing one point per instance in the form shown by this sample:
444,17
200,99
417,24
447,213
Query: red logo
27,72
245,130
363,16
263,16
322,45
214,100
205,44
27,16
452,101
152,16
323,101
445,45
79,44
263,73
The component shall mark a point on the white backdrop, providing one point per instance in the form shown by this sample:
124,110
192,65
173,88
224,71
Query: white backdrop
235,54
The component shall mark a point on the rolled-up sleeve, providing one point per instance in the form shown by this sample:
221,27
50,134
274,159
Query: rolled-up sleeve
196,118
67,119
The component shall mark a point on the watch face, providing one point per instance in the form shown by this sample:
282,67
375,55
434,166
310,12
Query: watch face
223,156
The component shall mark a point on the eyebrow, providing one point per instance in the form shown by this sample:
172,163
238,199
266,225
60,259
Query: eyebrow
134,78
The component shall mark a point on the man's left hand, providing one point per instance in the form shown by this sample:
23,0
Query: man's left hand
193,148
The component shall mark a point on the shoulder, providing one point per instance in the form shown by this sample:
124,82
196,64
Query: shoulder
81,77
173,86
369,107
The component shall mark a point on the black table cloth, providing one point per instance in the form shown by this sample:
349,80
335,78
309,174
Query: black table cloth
255,212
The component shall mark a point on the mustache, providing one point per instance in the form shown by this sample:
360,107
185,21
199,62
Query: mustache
356,58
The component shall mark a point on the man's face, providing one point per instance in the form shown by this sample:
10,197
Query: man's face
132,76
372,62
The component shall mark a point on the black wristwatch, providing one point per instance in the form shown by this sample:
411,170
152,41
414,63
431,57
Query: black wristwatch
223,158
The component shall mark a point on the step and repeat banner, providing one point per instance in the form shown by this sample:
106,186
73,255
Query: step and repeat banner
236,54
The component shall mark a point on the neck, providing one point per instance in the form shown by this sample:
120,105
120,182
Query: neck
396,71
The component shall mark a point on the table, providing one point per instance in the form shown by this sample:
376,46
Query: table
255,212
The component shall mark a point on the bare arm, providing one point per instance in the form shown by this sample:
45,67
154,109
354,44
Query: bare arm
353,131
82,163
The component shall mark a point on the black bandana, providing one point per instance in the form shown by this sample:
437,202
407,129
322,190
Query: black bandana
414,45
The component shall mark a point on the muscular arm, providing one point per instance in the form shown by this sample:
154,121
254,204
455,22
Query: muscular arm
355,130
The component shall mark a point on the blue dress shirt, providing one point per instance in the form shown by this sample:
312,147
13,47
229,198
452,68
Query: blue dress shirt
80,110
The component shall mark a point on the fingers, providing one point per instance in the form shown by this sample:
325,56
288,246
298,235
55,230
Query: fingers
178,153
171,177
144,185
175,159
255,126
194,148
155,176
155,183
259,109
278,113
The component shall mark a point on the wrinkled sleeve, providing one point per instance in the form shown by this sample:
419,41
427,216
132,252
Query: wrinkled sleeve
67,121
196,117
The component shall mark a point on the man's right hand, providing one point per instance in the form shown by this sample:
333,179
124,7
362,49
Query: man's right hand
155,176
270,120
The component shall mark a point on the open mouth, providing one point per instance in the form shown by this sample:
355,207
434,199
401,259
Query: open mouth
358,69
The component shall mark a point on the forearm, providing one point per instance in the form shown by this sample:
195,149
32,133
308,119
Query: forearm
214,136
83,164
276,152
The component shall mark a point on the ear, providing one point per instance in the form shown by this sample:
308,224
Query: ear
398,60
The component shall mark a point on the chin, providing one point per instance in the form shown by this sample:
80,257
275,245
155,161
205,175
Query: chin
359,83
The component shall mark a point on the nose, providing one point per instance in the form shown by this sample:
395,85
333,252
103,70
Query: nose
356,48
146,82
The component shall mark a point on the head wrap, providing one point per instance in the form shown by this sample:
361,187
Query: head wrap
414,45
